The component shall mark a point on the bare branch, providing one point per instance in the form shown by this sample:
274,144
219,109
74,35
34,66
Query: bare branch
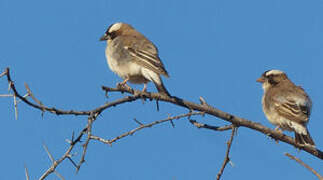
91,119
305,165
226,158
202,108
109,142
56,111
237,121
52,168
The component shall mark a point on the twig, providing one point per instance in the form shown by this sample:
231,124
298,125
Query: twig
305,165
52,168
66,112
53,161
215,128
226,158
131,132
91,119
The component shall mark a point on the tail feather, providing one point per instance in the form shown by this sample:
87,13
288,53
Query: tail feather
304,139
162,89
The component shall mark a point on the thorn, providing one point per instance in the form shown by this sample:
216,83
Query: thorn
26,173
15,105
6,95
48,153
26,95
157,104
59,175
172,123
68,141
231,163
72,136
138,122
3,73
9,86
202,101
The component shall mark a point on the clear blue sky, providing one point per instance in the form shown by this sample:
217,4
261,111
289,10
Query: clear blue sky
215,49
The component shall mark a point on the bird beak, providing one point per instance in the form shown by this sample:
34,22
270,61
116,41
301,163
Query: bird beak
261,80
104,37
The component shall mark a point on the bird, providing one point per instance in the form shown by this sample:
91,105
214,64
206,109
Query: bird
133,57
286,105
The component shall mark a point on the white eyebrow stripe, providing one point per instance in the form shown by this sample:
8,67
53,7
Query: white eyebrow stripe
115,27
274,72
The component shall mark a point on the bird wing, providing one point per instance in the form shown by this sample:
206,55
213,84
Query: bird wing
293,107
145,54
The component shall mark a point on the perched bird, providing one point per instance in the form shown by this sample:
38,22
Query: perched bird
133,57
286,105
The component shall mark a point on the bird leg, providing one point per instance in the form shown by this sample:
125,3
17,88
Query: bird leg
124,83
145,88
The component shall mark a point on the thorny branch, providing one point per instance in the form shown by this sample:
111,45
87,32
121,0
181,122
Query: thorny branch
67,154
91,119
202,108
235,120
142,126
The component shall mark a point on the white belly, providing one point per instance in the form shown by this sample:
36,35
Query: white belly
129,70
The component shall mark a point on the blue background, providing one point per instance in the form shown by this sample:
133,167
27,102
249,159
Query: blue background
215,49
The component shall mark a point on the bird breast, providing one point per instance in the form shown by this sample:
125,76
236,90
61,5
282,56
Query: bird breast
121,63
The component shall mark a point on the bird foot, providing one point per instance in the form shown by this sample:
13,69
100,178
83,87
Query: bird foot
278,130
123,85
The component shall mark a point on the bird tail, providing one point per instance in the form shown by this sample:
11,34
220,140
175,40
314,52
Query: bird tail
304,139
162,89
155,78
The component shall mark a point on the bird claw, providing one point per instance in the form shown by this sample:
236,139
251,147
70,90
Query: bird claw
278,130
123,85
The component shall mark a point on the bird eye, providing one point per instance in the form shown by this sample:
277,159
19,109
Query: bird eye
112,34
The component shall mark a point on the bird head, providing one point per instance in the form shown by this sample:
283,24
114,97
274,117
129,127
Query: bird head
115,30
271,78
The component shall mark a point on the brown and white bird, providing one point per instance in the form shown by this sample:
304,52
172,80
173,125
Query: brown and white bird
286,105
133,57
